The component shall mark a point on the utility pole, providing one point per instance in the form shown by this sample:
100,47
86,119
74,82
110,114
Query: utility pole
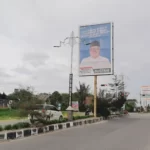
72,42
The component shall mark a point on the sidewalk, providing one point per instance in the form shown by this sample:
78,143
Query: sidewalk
12,121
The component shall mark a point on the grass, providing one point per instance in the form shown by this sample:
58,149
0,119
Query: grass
74,113
6,114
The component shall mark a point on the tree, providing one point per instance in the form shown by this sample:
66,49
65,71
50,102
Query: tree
48,100
65,101
148,108
24,99
118,104
75,96
101,94
102,105
82,92
3,96
119,84
22,94
130,105
55,98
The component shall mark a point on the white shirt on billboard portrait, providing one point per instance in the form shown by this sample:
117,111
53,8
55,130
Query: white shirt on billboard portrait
96,63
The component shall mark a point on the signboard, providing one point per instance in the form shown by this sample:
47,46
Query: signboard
145,92
96,50
75,105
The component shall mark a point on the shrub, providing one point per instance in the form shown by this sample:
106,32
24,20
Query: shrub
8,127
81,117
15,126
54,121
36,114
44,122
65,120
104,112
48,122
24,125
1,128
20,125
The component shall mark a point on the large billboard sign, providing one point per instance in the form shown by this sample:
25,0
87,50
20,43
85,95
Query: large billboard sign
96,50
145,92
75,105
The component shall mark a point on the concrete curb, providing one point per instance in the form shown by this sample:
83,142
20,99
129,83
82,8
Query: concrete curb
22,133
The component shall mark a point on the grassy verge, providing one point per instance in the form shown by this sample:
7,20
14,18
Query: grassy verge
74,113
6,114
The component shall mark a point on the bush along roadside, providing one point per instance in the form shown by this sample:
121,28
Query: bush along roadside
82,117
22,125
44,122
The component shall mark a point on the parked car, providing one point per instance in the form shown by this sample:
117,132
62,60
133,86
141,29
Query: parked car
46,112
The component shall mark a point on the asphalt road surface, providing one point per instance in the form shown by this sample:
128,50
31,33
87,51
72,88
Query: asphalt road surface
128,133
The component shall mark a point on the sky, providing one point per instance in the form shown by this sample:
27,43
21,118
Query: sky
30,28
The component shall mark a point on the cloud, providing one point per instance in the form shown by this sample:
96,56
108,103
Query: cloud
30,29
22,70
36,59
3,74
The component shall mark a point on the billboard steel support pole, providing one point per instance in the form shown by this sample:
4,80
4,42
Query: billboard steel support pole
95,96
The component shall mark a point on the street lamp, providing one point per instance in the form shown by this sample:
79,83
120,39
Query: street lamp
72,42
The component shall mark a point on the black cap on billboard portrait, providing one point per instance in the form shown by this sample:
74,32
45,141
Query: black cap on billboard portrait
95,43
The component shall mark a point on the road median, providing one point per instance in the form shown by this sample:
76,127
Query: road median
32,131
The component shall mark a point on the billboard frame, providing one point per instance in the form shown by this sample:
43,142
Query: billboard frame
144,98
112,49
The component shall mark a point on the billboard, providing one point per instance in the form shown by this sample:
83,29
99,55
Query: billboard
96,50
75,105
145,92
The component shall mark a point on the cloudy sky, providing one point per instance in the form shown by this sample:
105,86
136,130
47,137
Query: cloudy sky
30,28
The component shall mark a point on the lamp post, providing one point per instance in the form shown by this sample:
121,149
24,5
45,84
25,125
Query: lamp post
72,42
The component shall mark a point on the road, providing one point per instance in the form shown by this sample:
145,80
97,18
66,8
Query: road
128,133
